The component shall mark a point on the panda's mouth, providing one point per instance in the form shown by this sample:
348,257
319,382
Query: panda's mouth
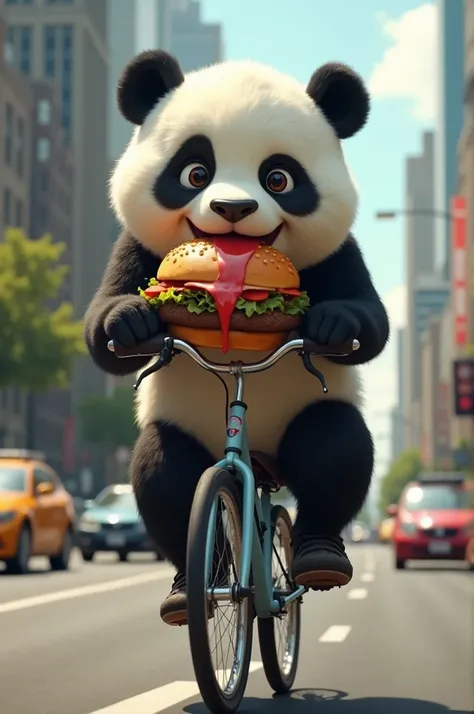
268,238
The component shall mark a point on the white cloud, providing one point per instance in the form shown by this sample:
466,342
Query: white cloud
408,69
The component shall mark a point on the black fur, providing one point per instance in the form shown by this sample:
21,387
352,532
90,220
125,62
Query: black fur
117,310
168,189
146,80
343,298
165,469
342,97
304,199
326,457
345,305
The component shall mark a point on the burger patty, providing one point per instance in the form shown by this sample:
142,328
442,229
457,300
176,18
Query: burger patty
271,321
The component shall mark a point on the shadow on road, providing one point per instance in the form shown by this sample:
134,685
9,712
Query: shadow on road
329,701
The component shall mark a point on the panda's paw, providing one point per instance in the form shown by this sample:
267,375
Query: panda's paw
330,324
132,321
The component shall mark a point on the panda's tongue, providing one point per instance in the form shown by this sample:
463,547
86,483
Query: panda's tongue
232,255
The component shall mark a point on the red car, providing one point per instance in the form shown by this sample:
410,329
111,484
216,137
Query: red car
432,519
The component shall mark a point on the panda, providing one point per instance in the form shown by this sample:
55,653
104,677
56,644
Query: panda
240,122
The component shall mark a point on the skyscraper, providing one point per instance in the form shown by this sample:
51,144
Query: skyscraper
427,292
65,41
182,32
449,119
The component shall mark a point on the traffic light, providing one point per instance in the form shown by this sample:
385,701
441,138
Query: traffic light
464,387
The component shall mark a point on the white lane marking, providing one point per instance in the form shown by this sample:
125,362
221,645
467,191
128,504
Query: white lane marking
357,593
367,577
157,700
336,633
73,593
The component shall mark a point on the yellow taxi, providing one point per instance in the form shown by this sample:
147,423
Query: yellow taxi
36,512
386,529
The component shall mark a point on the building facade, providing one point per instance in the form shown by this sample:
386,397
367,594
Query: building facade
65,42
16,102
449,119
49,414
397,416
182,32
427,292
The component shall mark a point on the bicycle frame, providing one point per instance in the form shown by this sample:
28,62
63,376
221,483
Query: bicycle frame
255,558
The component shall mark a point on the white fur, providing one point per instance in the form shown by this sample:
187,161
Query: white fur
186,395
249,112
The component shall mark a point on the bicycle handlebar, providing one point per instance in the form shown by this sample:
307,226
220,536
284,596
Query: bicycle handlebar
153,347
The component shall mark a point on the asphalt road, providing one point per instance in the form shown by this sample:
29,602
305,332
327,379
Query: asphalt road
91,641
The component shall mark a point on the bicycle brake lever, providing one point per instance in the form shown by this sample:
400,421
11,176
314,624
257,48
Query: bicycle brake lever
166,355
309,366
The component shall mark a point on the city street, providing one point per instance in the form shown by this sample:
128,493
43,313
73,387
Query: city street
91,641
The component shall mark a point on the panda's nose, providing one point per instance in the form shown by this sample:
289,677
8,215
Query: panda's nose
233,211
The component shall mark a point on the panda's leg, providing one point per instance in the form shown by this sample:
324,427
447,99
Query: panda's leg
165,469
326,457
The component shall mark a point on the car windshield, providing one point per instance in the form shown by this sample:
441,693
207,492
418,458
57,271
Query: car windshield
12,479
122,500
438,497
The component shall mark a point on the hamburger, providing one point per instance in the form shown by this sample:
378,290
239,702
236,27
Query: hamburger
228,294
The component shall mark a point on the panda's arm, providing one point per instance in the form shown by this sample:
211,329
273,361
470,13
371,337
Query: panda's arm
344,280
130,266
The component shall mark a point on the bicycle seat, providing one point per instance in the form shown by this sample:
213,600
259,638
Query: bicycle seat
265,470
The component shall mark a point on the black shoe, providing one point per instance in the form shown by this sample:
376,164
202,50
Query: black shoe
320,562
173,609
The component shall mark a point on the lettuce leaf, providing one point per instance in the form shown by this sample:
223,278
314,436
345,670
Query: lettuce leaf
199,301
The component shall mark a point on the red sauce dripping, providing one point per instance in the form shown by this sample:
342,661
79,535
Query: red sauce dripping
232,255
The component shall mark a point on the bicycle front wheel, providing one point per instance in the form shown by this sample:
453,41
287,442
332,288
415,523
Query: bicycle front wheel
214,557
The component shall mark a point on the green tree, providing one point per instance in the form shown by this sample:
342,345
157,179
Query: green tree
406,468
38,342
109,420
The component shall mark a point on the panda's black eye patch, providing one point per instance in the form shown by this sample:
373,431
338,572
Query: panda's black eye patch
195,157
303,197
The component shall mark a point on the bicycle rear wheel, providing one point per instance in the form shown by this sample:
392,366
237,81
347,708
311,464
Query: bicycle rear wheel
221,671
279,636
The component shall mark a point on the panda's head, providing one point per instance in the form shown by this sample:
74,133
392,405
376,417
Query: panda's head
237,148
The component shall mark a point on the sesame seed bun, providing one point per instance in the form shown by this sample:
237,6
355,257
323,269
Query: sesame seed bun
197,260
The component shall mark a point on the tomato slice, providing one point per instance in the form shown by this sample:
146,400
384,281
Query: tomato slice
255,295
155,290
290,291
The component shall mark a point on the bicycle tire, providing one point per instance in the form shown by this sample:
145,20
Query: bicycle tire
280,681
212,483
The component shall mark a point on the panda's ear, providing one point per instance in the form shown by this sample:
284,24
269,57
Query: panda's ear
146,80
342,97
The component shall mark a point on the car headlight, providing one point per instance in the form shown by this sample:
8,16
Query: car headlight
409,528
6,516
89,524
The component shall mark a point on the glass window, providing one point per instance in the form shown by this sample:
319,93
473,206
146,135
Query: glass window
44,112
25,49
8,136
41,476
20,146
49,51
43,150
19,214
440,497
12,479
116,497
7,207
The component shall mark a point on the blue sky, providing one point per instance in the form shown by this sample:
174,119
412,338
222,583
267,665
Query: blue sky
296,36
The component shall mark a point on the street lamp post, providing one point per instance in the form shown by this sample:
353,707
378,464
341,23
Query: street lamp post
390,215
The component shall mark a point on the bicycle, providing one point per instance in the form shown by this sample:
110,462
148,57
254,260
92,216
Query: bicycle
255,589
